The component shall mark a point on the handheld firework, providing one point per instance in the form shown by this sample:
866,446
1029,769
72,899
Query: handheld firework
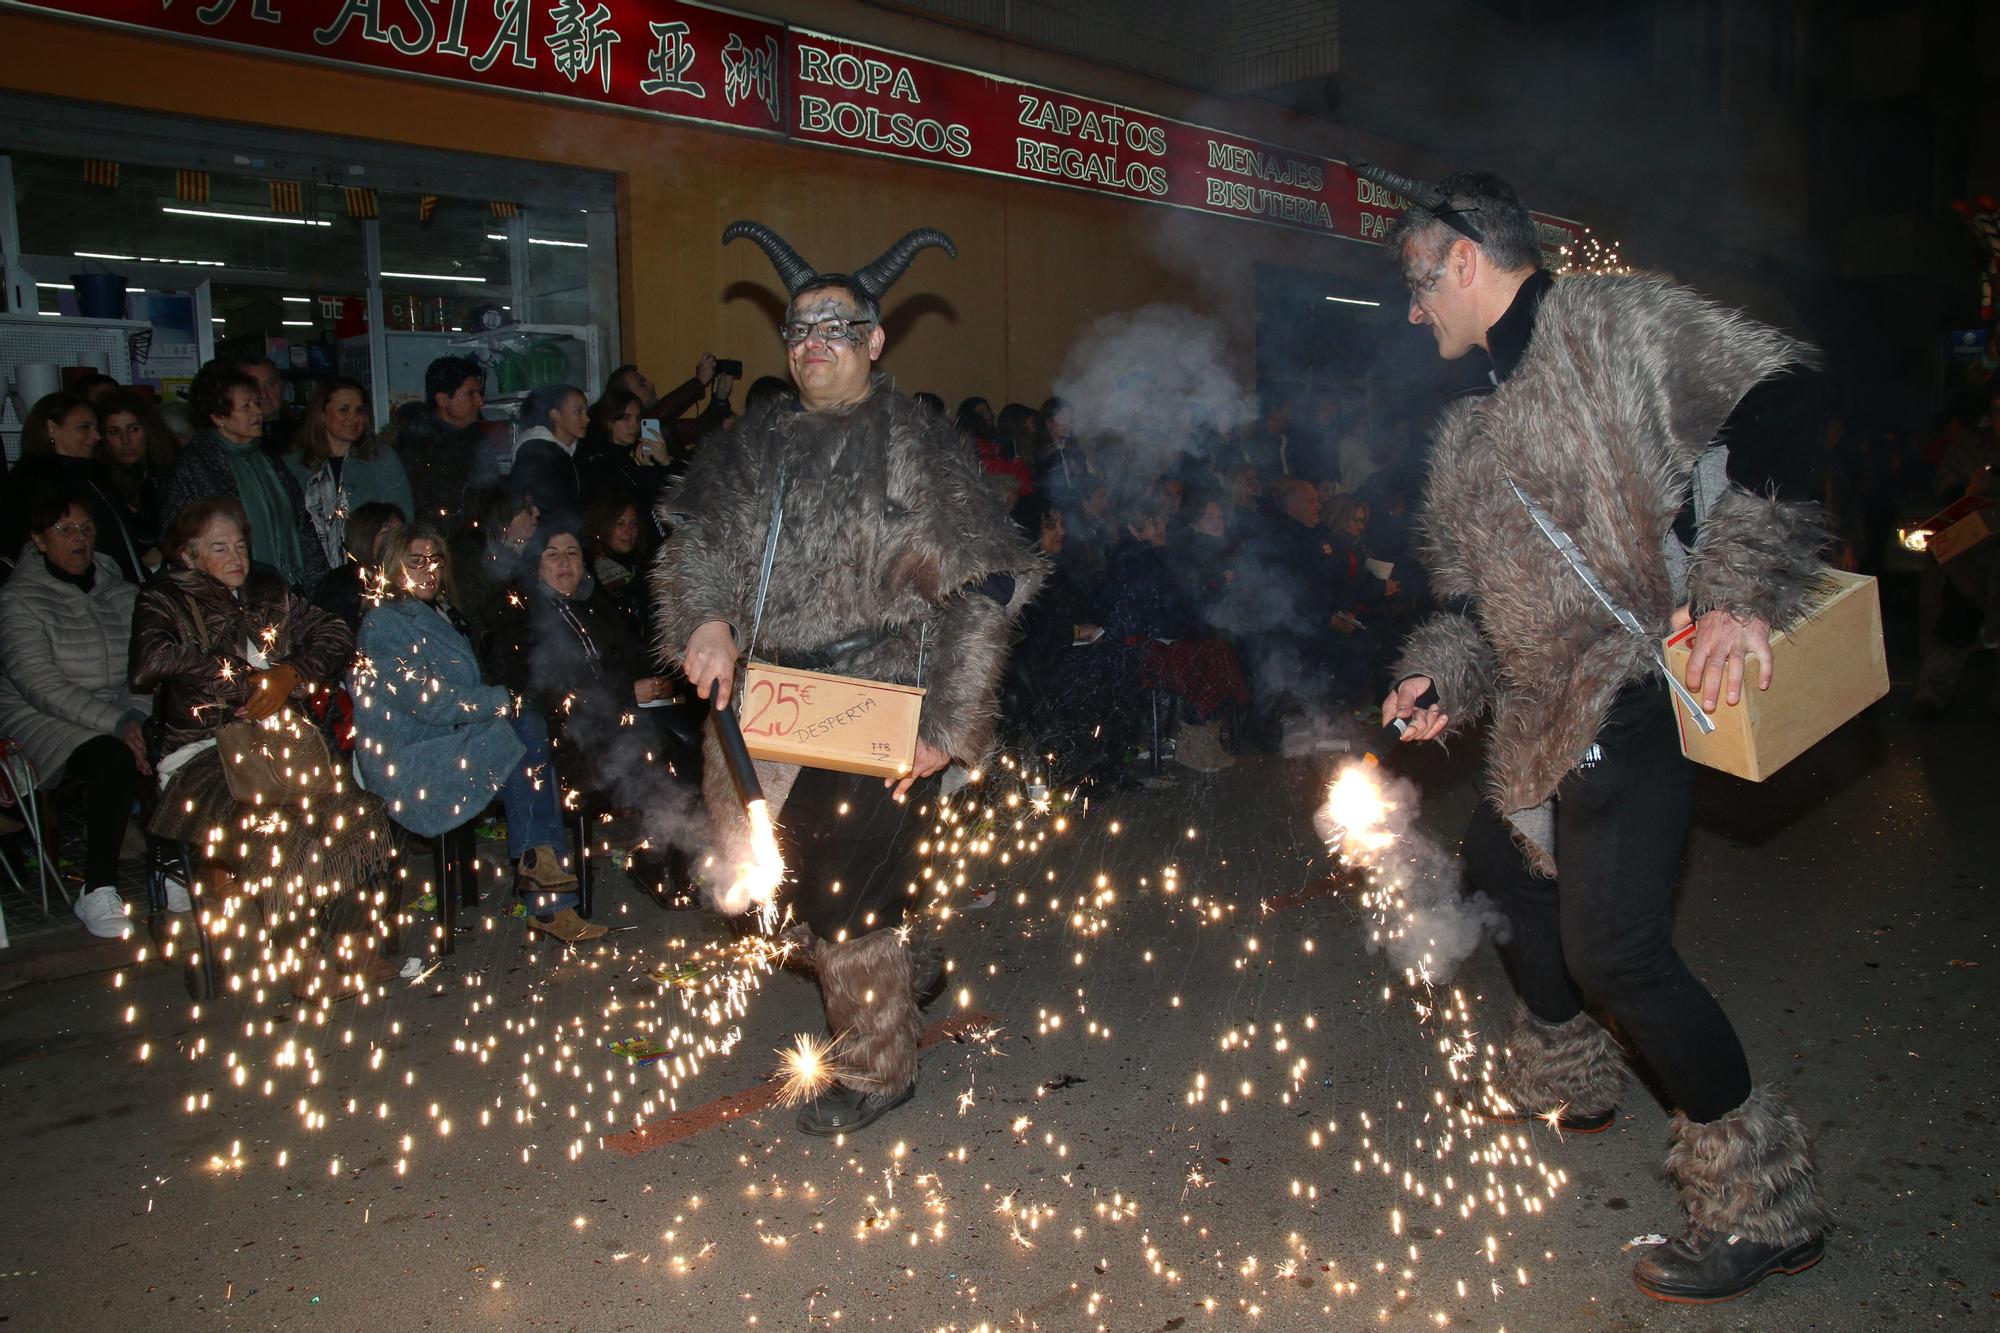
756,883
1387,738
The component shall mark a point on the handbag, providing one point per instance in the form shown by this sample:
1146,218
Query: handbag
282,760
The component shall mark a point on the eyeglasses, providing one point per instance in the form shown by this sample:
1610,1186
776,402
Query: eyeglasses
69,529
826,330
421,561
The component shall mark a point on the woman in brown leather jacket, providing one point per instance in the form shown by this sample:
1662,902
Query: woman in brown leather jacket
221,640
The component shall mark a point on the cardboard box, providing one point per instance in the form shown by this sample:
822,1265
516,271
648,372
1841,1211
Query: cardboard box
1828,668
822,721
1959,527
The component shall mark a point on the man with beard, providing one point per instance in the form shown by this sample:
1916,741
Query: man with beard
1611,397
892,561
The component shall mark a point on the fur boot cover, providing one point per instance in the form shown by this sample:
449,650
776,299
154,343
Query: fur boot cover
890,533
1748,1174
1621,391
1576,1064
869,1010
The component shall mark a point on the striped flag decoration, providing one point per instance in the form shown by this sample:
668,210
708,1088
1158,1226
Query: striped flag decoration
427,204
96,171
191,187
361,202
287,197
504,211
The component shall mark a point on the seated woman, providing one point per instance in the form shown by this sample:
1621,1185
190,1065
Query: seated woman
356,584
221,640
138,451
65,624
612,528
340,465
619,737
1148,613
59,452
487,561
225,458
620,460
437,743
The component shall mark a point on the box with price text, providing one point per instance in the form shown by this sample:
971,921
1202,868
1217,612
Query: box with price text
823,721
1825,670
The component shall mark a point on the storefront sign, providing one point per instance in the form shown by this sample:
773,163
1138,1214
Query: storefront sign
660,56
693,62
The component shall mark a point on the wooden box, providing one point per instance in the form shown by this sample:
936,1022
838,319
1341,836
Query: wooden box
1959,527
823,721
1828,668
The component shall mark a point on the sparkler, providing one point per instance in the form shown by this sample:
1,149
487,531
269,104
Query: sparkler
756,884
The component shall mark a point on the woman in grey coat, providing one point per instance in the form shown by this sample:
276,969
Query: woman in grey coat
65,623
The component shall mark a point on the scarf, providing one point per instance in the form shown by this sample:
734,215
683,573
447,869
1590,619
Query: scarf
274,526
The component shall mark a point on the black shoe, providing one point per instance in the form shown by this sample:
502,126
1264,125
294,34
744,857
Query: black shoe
1567,1122
1701,1268
844,1110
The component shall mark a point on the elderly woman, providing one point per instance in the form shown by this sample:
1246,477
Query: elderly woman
225,458
340,466
438,743
65,617
223,640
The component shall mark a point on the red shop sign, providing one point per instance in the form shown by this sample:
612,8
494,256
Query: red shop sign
868,99
664,57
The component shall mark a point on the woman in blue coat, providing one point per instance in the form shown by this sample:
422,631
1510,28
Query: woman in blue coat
437,743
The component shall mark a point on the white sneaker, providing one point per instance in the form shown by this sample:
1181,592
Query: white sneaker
177,896
102,912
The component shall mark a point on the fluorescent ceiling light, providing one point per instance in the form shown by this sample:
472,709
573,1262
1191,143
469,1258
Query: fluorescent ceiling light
50,314
296,323
297,300
432,277
496,236
216,319
243,217
92,254
146,259
65,287
1352,300
567,245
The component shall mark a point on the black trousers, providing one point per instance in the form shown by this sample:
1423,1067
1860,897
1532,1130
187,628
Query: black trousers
1602,931
110,778
847,842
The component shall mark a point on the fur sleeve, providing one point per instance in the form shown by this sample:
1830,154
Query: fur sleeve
1756,556
968,651
1450,650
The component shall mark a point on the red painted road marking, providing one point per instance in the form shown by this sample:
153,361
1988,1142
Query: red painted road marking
686,1124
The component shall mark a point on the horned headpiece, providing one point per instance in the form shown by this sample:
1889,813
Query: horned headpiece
871,282
1424,195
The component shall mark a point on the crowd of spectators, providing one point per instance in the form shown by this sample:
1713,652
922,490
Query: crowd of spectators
462,604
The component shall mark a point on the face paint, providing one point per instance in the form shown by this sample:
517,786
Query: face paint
828,319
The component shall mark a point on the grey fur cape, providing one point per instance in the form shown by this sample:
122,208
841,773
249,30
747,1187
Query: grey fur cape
1617,398
889,526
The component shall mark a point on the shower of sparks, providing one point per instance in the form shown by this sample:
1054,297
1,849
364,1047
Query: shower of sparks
806,1069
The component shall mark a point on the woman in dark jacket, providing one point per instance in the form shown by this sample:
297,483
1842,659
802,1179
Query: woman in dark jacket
487,561
220,640
137,451
59,452
621,737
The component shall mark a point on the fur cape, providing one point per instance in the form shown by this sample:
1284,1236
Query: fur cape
889,527
1622,389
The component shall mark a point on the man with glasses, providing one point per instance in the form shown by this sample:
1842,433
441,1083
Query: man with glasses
892,561
1662,436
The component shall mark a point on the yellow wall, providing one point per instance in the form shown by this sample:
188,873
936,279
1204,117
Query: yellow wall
1036,262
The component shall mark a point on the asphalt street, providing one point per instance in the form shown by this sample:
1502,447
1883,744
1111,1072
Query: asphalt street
1175,1085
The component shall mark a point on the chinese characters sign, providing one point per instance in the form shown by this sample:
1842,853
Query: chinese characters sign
693,62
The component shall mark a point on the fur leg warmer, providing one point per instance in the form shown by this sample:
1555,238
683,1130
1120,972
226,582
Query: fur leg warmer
1748,1174
1575,1064
869,1010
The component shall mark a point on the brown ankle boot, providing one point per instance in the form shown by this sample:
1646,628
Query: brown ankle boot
545,868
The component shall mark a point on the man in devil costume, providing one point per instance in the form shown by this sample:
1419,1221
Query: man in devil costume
1663,435
893,562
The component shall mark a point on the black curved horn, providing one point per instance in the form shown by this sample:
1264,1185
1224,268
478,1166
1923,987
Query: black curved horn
879,276
1418,192
793,271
